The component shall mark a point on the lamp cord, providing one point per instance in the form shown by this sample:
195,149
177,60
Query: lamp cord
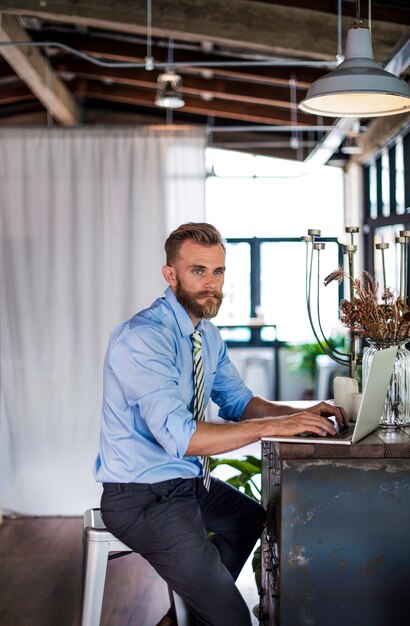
293,112
369,16
170,60
149,59
339,30
358,10
149,29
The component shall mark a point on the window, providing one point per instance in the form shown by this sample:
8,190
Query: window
251,196
283,288
399,182
373,190
263,206
237,292
387,184
387,234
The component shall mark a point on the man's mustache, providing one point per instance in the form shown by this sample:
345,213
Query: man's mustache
207,294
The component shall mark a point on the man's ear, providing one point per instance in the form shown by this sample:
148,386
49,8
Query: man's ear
168,273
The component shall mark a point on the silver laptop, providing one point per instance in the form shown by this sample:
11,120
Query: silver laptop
371,406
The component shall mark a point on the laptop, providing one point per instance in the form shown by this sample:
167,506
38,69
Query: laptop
371,406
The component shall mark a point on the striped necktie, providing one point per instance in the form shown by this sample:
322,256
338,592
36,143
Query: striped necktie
199,405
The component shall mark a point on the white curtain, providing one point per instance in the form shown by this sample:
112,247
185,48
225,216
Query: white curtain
84,214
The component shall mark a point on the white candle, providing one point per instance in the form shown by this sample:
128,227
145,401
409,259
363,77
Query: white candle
344,388
356,402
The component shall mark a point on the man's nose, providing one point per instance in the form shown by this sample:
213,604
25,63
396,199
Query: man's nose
210,281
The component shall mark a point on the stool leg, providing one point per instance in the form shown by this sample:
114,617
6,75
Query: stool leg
184,615
94,568
269,384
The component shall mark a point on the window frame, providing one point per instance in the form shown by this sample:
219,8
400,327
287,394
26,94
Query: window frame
371,224
255,243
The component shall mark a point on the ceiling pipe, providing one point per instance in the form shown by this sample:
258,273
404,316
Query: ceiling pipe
160,66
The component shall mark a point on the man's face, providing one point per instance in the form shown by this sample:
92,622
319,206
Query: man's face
197,277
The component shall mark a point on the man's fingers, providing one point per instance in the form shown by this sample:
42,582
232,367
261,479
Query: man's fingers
317,424
341,416
326,410
302,422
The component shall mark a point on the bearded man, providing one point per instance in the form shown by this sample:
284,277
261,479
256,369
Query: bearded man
161,368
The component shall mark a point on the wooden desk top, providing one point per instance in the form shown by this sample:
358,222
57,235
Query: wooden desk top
383,443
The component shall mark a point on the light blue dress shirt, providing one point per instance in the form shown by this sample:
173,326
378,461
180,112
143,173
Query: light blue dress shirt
147,413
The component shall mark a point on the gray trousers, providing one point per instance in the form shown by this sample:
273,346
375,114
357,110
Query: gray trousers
167,523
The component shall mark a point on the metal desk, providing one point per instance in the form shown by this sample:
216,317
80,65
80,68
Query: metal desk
336,551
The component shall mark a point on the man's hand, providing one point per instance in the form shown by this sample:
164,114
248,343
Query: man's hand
260,408
313,420
305,421
328,410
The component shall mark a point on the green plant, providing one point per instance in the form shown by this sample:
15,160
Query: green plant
248,468
305,359
306,355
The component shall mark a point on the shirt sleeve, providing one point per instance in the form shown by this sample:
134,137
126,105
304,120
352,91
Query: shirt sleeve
144,364
229,391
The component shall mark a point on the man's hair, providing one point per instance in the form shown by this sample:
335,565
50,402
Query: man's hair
200,232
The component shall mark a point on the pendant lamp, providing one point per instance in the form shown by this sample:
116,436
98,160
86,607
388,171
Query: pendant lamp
169,91
358,87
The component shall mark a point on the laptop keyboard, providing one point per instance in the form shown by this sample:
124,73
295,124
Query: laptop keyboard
346,433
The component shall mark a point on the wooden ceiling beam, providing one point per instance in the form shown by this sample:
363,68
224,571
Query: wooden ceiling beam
94,115
282,30
125,51
194,86
17,92
25,118
378,133
233,111
33,69
385,12
7,73
274,75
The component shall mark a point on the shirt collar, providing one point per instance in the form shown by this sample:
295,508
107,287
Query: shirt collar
183,320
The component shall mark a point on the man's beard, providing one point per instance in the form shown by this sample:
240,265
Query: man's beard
189,301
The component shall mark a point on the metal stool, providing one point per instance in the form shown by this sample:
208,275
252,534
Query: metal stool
98,544
263,362
327,369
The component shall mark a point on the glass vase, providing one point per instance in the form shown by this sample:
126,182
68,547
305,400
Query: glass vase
396,410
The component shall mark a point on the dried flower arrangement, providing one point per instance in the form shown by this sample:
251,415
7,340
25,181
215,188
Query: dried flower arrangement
388,320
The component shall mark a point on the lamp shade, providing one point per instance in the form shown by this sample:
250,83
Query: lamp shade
169,91
358,87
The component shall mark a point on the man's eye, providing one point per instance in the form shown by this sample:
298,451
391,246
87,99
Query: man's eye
198,271
219,272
